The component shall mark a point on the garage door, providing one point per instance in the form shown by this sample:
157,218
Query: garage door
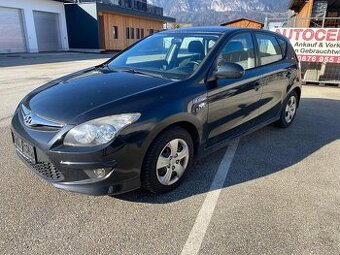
47,30
12,37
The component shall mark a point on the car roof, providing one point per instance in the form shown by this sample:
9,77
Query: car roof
212,29
216,29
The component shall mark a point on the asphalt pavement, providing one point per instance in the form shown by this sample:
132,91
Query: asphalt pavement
281,193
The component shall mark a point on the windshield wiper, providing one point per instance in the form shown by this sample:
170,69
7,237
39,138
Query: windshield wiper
136,71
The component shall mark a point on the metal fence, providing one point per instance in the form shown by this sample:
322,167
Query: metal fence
312,72
294,21
321,73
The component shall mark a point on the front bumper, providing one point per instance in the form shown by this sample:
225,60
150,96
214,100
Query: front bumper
72,168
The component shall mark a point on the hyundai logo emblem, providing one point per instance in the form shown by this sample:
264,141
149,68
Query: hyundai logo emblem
31,119
28,120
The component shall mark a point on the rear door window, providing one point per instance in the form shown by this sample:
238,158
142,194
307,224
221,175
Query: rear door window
269,49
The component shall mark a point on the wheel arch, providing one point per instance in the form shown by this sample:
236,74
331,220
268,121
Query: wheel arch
191,129
187,122
298,92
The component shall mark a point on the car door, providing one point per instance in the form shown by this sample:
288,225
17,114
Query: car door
277,72
233,103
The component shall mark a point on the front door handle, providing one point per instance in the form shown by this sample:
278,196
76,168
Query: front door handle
257,86
290,75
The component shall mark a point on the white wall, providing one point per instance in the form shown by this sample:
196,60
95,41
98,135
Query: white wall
27,7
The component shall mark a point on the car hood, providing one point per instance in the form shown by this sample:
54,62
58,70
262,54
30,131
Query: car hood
68,97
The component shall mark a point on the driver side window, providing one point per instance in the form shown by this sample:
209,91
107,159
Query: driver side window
239,50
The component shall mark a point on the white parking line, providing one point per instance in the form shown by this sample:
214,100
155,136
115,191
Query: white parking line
196,236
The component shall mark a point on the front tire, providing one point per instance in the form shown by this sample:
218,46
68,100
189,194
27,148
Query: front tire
288,111
167,160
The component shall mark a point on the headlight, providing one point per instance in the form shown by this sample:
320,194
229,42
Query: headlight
99,131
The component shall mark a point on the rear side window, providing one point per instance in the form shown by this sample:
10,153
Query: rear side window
270,50
283,45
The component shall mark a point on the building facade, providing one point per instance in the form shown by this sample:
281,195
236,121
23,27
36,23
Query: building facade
112,24
315,13
244,22
32,26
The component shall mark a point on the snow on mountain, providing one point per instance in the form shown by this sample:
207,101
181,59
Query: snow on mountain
214,12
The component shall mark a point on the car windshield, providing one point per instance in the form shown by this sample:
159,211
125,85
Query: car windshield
171,56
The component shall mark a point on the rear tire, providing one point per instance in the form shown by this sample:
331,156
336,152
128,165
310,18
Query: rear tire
288,111
167,160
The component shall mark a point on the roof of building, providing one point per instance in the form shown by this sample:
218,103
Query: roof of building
133,12
240,19
334,4
111,7
296,5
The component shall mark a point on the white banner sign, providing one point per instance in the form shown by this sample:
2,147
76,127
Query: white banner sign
314,44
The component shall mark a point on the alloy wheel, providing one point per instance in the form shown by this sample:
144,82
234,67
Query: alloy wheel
290,109
172,161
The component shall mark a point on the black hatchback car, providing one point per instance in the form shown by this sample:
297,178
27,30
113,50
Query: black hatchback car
144,116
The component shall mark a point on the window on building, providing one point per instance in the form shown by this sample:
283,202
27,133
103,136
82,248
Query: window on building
132,33
114,32
239,50
151,31
127,33
270,50
138,33
142,32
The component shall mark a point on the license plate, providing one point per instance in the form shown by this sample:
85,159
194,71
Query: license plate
24,148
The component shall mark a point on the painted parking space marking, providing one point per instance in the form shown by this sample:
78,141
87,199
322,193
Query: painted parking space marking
197,233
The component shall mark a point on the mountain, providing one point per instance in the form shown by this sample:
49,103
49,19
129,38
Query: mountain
215,12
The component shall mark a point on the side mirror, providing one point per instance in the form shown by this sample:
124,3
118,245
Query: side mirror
229,70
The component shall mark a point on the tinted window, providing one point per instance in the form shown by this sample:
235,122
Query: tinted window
240,50
269,48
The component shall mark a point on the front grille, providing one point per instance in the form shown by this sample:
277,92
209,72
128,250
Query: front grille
46,170
34,121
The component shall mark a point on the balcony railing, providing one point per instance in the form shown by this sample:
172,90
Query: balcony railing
137,5
294,21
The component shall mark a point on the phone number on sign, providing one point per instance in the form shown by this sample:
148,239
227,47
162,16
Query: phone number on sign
319,59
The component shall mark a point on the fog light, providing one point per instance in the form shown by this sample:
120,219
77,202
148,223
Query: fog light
100,173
